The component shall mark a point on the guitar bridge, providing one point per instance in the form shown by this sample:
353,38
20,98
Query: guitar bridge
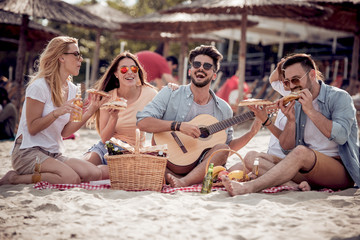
178,141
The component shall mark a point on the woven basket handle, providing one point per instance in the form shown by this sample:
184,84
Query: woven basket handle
226,150
137,141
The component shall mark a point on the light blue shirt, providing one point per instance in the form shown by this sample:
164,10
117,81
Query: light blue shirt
175,105
337,105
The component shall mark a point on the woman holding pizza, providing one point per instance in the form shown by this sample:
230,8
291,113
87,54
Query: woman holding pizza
124,78
45,120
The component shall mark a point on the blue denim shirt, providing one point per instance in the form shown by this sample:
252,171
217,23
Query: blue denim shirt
175,105
337,105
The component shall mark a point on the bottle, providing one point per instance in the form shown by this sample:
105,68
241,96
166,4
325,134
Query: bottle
207,183
76,117
161,154
110,148
117,151
256,167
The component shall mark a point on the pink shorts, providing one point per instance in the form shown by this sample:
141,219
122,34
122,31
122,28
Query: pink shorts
23,160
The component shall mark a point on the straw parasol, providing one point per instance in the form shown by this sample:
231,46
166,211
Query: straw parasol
10,32
345,17
183,24
111,16
55,10
296,10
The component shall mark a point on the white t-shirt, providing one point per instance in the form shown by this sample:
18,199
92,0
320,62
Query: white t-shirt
49,139
318,141
280,122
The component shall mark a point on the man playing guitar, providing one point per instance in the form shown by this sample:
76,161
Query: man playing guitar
174,113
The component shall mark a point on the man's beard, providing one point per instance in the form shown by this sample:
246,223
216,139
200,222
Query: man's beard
201,84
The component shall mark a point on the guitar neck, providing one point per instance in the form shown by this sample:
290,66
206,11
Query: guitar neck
216,127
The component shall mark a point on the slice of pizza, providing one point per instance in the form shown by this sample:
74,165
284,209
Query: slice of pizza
97,92
253,101
119,104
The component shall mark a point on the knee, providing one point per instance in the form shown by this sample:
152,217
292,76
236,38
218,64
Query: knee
222,156
94,174
71,178
303,154
249,159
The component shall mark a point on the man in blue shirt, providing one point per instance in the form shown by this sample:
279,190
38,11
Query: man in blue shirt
180,113
320,137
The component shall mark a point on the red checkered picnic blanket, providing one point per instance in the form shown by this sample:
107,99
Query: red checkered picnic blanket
165,189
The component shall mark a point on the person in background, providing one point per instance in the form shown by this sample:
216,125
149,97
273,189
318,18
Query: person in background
320,138
45,120
124,78
173,64
164,113
8,116
156,68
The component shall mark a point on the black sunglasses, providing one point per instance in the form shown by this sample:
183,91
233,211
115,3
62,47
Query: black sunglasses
206,66
76,54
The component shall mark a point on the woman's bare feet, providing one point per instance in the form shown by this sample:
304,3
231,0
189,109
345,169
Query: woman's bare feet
304,186
174,181
235,188
7,178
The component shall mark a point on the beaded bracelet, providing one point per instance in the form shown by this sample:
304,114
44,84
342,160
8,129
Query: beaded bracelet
178,126
173,126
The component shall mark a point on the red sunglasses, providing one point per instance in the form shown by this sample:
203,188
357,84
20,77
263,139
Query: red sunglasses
125,69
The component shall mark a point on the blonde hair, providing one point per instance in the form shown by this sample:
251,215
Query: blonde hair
49,66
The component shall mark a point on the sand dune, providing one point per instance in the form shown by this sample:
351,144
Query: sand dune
27,213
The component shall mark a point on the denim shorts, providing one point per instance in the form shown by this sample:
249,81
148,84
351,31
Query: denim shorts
100,149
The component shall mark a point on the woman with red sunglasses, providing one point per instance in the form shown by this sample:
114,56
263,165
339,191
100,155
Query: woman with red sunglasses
124,78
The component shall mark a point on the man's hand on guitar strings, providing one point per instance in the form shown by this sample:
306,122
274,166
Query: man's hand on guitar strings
190,130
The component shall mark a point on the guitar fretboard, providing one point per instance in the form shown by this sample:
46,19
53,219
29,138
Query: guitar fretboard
216,127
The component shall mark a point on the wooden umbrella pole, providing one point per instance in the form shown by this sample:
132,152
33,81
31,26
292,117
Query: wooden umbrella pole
242,57
20,60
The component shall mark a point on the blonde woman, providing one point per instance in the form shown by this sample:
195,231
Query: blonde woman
124,78
49,102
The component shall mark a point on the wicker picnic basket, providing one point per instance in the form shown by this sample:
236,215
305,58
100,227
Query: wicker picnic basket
135,171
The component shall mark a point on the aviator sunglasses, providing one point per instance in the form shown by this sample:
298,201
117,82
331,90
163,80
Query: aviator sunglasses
294,81
125,69
76,54
206,66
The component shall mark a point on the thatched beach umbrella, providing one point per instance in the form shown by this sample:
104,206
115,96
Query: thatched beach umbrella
183,24
296,10
54,10
110,15
38,34
345,17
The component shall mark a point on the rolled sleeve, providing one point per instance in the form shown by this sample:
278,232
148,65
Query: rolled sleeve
157,107
342,118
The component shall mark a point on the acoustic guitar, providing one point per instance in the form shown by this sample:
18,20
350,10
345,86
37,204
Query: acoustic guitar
184,151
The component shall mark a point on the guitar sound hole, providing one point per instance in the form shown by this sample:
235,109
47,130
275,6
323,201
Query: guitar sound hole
204,133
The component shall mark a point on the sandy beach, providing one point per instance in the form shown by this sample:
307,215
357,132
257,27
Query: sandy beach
28,213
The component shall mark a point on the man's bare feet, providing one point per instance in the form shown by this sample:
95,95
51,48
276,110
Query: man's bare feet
174,181
7,178
235,188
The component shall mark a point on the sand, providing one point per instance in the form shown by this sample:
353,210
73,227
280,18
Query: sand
27,213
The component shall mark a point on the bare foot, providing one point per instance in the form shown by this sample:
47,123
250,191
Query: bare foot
233,187
174,181
7,178
304,186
